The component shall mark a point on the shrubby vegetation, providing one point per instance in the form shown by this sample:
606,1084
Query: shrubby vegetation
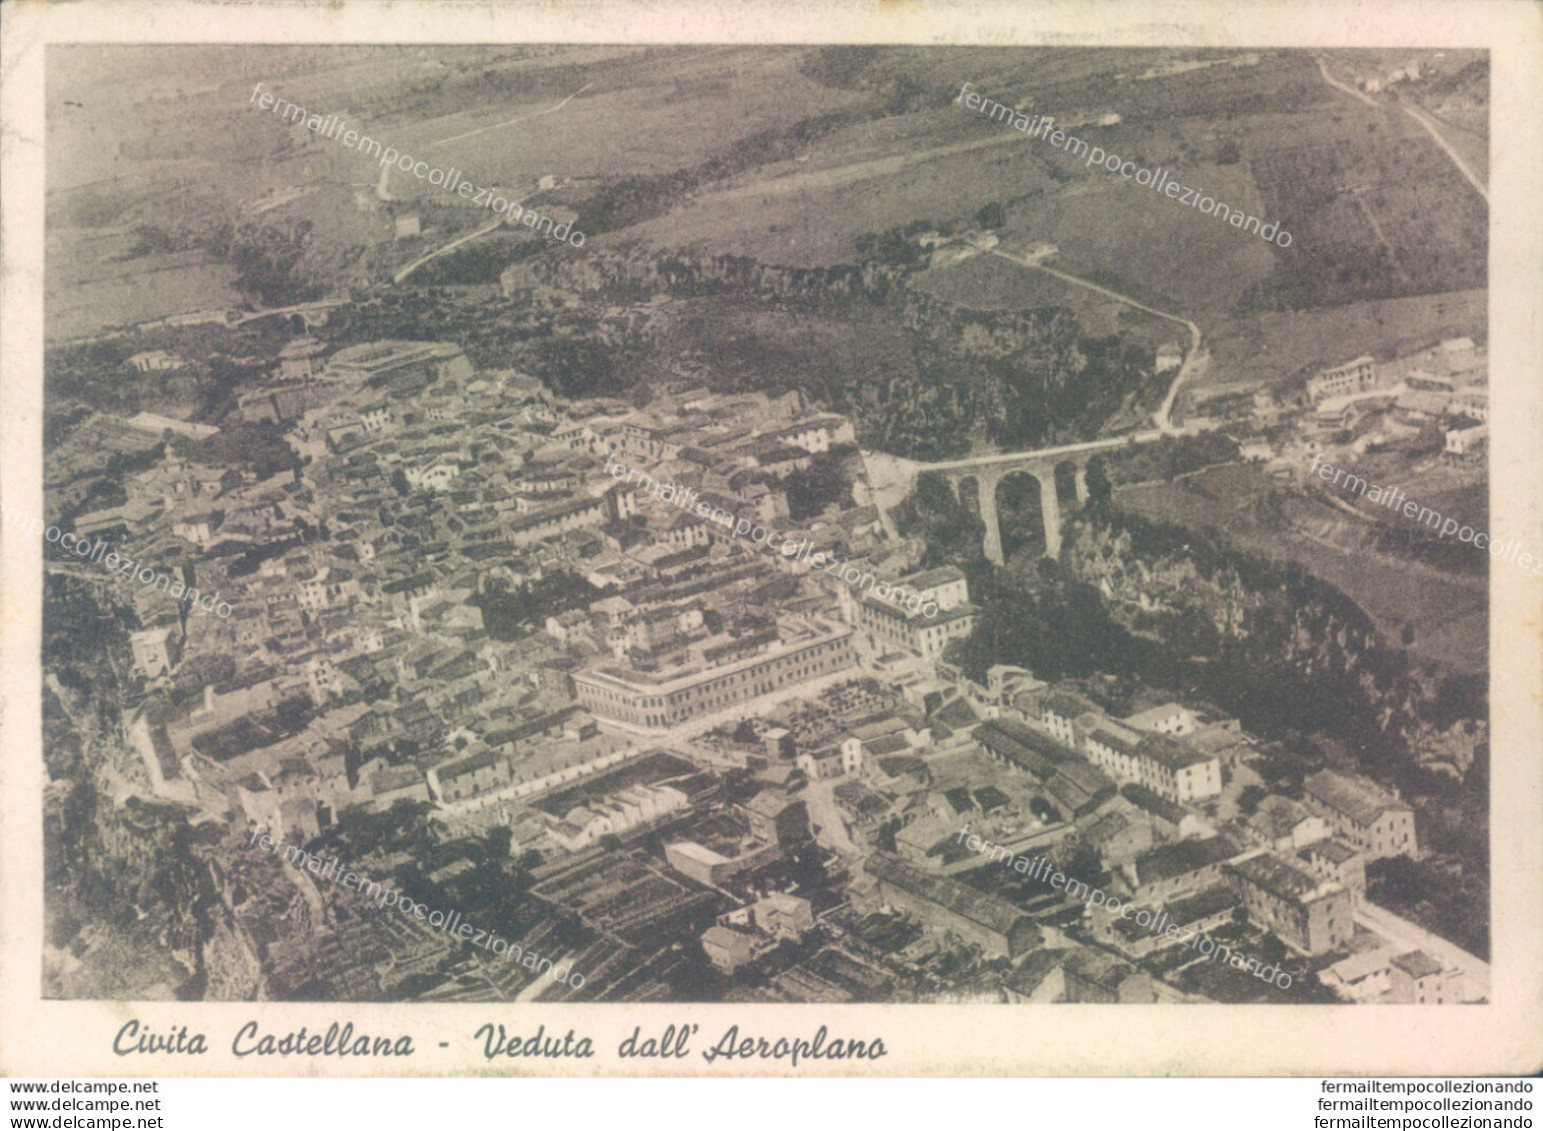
1038,616
959,378
257,446
1169,457
954,536
269,260
825,482
408,826
894,246
478,264
509,613
577,367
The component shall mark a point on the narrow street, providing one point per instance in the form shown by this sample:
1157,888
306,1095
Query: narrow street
449,247
1476,980
820,796
1196,361
1425,121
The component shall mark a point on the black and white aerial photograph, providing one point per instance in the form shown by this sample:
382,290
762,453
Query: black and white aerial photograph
538,524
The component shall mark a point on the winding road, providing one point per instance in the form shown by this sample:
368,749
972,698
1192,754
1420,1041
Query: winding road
382,191
1426,122
449,247
1196,360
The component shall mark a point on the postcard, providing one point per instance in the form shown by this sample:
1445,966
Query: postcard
704,539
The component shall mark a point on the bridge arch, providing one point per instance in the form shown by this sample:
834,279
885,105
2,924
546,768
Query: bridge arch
967,488
1064,468
1062,486
1028,491
1071,483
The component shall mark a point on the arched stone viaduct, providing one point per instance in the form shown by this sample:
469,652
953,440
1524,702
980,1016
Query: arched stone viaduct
988,472
989,477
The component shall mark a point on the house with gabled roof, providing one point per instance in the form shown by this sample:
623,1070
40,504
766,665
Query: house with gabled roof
1181,866
1359,812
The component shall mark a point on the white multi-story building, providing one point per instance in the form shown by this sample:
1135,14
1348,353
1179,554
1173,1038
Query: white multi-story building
1352,377
671,697
1170,718
1360,813
1464,444
1169,768
922,614
1176,771
1110,746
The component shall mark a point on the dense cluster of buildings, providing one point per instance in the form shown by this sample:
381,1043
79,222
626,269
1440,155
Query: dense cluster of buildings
361,582
1363,407
1145,792
372,656
1383,401
447,601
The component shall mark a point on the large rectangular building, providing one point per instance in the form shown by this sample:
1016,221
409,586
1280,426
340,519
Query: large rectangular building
1352,377
1359,812
997,927
404,367
1306,913
669,698
1176,771
890,622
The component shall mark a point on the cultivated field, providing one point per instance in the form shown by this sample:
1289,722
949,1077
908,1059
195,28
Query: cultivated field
1276,348
988,282
1261,131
